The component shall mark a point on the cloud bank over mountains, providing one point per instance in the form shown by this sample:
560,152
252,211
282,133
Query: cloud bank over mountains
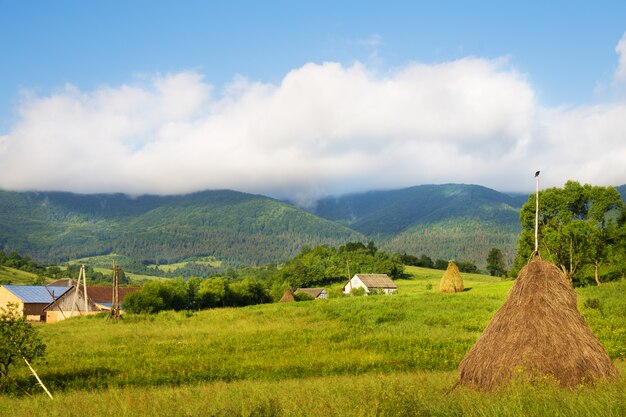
325,129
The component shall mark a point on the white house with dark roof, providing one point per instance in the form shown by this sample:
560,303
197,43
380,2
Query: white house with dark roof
379,283
30,299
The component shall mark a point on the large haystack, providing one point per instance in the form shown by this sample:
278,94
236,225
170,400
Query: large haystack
538,332
451,281
287,296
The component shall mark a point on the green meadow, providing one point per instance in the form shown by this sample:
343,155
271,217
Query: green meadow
360,356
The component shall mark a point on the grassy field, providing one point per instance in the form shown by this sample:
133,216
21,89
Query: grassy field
361,356
207,261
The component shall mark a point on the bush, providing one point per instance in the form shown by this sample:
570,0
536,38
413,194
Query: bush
593,303
156,296
358,292
18,341
303,296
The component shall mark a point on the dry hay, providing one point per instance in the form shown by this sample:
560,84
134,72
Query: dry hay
451,281
287,296
537,333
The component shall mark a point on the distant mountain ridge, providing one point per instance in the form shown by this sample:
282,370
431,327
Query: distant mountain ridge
235,227
449,221
392,212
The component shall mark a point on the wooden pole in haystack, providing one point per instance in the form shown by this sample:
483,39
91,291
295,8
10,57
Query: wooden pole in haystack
537,214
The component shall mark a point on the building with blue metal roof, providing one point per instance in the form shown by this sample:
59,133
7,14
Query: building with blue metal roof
30,299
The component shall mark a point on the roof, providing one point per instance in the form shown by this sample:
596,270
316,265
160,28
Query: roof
313,292
64,282
69,293
287,296
36,294
376,280
104,294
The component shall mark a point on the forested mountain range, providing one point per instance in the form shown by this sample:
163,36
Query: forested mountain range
442,221
236,228
449,221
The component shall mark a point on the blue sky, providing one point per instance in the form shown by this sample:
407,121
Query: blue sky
559,57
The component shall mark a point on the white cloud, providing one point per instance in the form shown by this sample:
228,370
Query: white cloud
325,129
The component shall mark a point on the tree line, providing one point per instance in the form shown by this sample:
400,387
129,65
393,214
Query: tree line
313,266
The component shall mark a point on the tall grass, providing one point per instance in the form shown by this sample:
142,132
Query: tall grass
377,355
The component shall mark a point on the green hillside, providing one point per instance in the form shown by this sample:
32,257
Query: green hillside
443,221
16,277
233,227
391,212
362,356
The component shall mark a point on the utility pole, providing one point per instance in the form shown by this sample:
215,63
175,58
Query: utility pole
82,277
115,304
349,277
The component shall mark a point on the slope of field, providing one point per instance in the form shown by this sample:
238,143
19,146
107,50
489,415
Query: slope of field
15,276
233,227
362,356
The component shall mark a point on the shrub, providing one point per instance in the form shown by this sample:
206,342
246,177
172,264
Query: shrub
303,296
593,303
18,341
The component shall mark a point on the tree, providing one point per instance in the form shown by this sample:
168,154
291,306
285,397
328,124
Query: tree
578,228
18,341
248,292
495,263
212,293
158,295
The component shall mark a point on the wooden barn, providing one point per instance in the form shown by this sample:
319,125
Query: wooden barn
371,283
316,293
31,300
72,303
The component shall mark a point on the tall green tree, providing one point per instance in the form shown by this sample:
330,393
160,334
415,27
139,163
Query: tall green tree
578,228
495,263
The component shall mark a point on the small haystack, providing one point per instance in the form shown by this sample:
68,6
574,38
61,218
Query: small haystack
537,332
287,296
451,281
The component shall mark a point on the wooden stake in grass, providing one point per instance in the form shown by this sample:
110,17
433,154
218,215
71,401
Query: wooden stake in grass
38,379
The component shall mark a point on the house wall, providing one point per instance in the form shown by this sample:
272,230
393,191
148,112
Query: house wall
34,311
356,283
66,302
59,315
7,296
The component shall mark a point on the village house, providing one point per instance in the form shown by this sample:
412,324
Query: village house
31,300
316,293
371,283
